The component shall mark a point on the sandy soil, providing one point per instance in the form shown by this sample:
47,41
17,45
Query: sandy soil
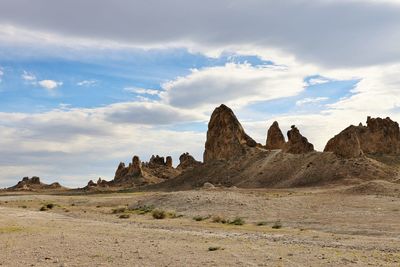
320,227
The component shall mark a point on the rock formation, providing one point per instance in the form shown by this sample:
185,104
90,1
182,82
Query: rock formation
123,174
34,183
156,160
346,144
380,136
168,162
187,161
297,144
275,138
226,138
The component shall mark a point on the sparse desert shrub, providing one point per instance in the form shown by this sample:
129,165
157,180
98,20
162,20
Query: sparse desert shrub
50,206
143,209
124,216
172,214
23,206
277,225
43,208
214,248
237,221
261,223
158,214
119,210
219,219
199,218
73,204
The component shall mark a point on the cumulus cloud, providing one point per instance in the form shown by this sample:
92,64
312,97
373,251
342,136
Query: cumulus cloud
233,84
88,143
49,84
149,113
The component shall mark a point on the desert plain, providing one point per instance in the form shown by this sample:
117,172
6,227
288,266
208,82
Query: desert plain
315,226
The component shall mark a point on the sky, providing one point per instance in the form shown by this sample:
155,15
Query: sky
85,85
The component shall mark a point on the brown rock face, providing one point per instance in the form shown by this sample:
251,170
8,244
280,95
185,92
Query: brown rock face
187,161
133,170
380,136
168,162
157,160
226,138
275,138
346,144
297,144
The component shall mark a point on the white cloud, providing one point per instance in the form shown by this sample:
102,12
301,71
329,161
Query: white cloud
233,84
66,143
310,100
50,84
1,73
142,91
87,83
29,77
316,81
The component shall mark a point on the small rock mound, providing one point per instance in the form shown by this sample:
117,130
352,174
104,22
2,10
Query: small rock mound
297,144
226,138
187,161
34,183
208,185
275,138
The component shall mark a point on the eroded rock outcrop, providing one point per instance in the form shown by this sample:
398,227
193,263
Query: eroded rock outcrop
380,136
168,162
297,144
124,174
226,138
34,183
346,144
275,138
187,161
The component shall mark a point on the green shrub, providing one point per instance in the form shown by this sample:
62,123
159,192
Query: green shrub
158,214
143,209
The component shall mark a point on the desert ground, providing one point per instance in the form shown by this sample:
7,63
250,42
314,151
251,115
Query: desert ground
319,226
